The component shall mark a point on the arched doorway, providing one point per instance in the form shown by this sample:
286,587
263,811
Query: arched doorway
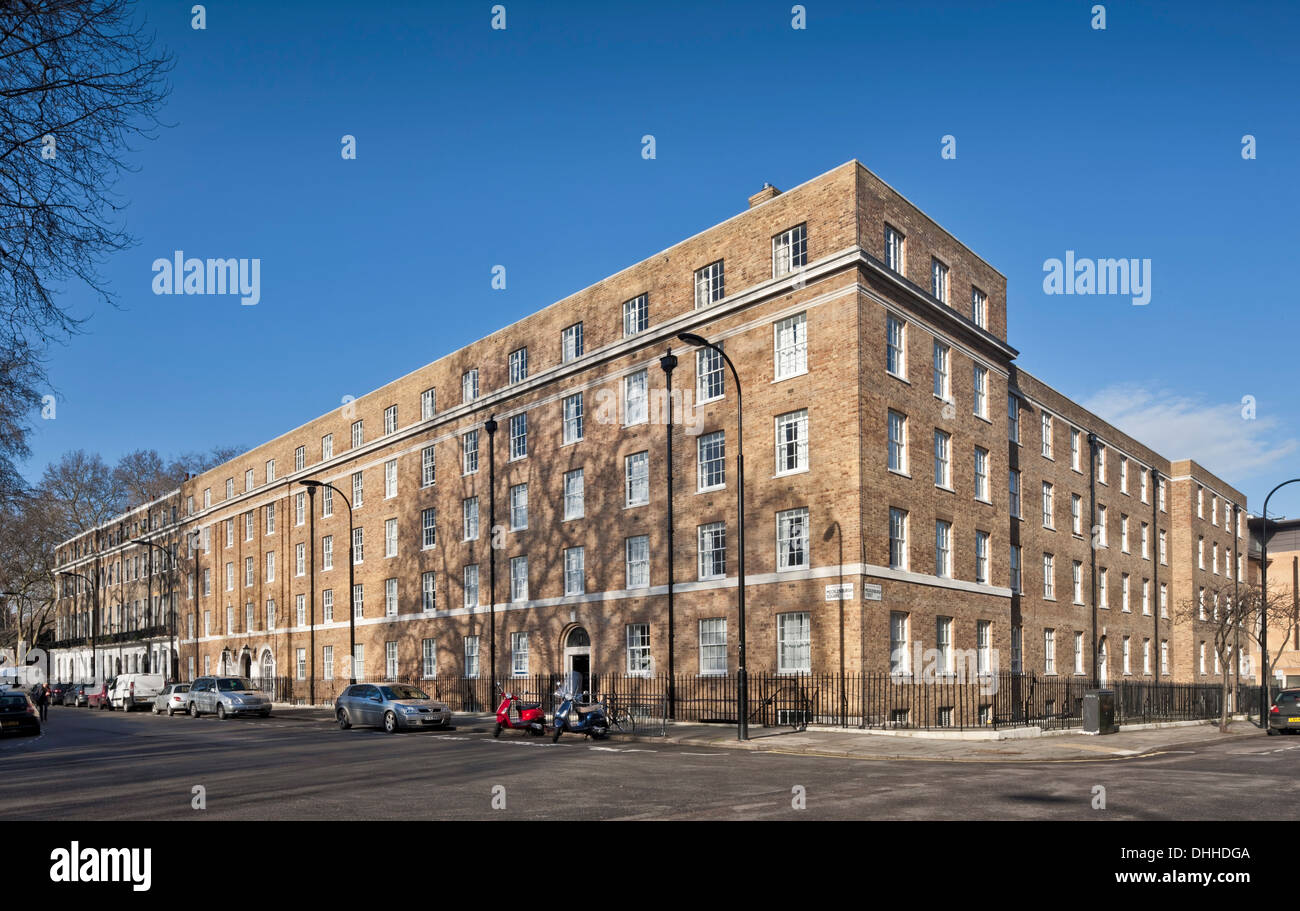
577,654
268,665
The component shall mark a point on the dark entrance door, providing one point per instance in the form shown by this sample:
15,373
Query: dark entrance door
582,664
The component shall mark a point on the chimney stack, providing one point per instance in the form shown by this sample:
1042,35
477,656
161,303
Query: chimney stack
763,195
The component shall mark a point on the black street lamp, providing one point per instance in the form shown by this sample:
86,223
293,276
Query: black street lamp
669,363
171,608
352,584
94,615
1236,612
195,539
742,677
1263,605
491,428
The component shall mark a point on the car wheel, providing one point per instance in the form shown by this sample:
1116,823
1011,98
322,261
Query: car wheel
344,723
221,711
169,711
390,723
497,732
194,710
1272,731
156,710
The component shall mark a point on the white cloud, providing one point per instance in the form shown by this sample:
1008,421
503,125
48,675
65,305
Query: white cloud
1182,427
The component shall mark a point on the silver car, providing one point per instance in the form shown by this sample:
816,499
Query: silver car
171,699
392,706
226,696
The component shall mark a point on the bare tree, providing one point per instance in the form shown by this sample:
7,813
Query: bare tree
80,487
1281,616
1233,613
143,475
80,80
20,379
29,530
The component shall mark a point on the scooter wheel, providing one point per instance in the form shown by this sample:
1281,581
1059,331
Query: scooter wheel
555,738
497,732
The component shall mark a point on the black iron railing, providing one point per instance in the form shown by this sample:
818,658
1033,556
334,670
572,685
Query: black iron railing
876,701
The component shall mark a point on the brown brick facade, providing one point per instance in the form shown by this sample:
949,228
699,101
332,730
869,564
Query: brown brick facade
845,295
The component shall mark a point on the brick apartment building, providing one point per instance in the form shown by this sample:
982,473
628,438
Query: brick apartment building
891,445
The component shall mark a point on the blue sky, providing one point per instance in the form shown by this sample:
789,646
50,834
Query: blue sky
522,147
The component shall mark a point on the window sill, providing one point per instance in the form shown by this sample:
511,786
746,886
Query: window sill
944,488
789,376
901,474
898,376
700,490
792,471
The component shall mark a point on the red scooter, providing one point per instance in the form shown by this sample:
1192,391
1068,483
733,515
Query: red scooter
516,715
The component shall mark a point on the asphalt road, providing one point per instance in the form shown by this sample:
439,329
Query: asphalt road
90,765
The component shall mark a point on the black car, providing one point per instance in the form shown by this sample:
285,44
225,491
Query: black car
1285,714
18,714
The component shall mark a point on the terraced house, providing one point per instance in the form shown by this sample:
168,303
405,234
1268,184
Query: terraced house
906,485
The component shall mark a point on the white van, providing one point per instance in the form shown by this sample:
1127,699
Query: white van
131,690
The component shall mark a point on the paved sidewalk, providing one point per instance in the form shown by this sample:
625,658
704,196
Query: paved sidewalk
1070,746
1063,747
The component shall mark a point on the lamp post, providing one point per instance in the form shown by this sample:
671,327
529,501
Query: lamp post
742,677
94,615
1155,564
491,428
195,538
171,610
1236,620
669,363
352,612
1263,605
